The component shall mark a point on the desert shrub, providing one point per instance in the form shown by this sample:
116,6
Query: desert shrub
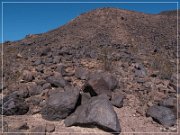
162,64
105,56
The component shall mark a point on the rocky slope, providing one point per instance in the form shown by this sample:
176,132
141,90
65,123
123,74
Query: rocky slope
106,70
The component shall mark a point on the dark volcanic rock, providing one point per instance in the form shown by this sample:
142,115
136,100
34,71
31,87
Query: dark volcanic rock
37,62
98,111
117,100
13,105
45,51
82,73
60,104
175,83
56,59
97,87
139,70
61,69
163,115
46,86
57,81
34,89
27,76
85,97
170,102
109,78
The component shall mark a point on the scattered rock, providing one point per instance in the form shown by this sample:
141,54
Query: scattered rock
81,73
99,112
162,115
139,70
56,59
169,102
40,68
13,105
45,51
34,89
46,86
61,69
57,81
59,105
27,76
117,100
37,62
22,93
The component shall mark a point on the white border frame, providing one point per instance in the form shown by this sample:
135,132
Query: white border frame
177,3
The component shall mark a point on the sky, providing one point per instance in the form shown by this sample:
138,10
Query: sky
21,19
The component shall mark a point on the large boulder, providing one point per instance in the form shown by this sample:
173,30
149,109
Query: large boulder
110,79
13,105
60,104
98,111
97,87
162,115
101,83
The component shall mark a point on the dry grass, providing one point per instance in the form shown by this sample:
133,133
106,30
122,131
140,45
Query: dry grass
162,64
106,58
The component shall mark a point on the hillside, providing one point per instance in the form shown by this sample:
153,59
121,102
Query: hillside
135,55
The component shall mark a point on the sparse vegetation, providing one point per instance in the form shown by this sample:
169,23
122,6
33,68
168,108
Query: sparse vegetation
105,56
162,65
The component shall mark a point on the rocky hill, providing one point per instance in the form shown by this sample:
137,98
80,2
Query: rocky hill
110,70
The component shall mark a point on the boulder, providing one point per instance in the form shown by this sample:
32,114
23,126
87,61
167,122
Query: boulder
96,87
85,97
60,104
110,79
81,73
13,105
98,111
162,115
169,102
57,81
34,89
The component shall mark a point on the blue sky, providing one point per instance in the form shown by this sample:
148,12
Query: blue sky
22,19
